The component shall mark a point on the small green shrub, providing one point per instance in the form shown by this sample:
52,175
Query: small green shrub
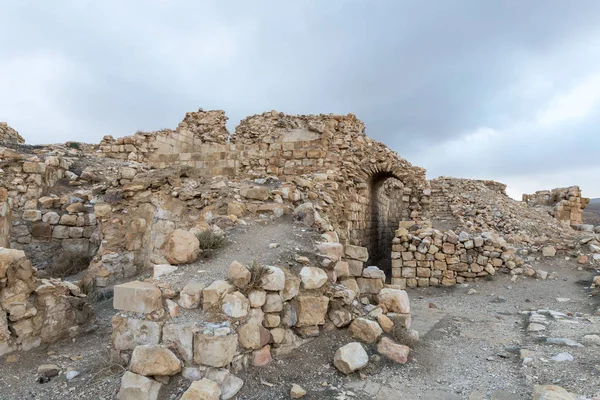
210,242
74,145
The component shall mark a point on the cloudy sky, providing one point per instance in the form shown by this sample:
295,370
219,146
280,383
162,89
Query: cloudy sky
506,90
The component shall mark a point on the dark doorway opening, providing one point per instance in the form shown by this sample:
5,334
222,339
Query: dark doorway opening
385,212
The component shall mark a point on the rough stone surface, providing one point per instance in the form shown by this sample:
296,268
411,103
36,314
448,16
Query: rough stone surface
150,360
204,389
394,351
138,387
311,310
214,351
350,358
182,247
394,300
142,297
313,278
365,330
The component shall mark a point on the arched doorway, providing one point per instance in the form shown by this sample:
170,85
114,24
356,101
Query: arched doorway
385,211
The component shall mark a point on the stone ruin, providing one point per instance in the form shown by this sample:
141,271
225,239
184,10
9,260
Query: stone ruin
565,204
114,211
9,136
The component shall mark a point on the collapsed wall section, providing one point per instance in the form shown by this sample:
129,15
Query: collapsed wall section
313,146
9,135
35,312
48,227
565,204
196,129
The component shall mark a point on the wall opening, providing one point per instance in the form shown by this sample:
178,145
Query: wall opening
385,212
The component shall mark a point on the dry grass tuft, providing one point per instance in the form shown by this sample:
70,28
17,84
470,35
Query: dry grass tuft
210,243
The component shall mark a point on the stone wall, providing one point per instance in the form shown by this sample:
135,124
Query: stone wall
423,256
45,226
565,204
35,312
257,314
196,129
9,135
302,149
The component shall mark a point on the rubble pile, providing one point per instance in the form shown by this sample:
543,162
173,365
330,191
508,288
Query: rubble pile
259,313
9,135
483,206
33,311
564,204
423,256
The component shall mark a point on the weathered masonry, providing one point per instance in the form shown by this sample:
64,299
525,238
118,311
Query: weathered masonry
374,188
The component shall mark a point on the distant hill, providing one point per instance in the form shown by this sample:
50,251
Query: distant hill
591,214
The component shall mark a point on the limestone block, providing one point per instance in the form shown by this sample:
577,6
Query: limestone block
238,274
181,339
138,387
191,294
369,286
182,247
365,330
32,215
393,351
311,310
350,358
356,253
142,297
313,278
127,333
150,360
214,351
204,389
213,294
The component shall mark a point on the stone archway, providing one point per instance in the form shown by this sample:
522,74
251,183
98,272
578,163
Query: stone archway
385,212
385,195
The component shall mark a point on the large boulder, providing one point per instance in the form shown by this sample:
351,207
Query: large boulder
182,247
150,360
365,330
214,351
350,358
313,278
395,300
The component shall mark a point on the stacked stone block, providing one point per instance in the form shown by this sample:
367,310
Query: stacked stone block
35,312
565,204
252,317
423,256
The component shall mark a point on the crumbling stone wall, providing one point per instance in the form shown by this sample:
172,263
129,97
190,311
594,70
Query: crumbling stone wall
160,330
321,147
9,135
46,227
565,204
35,312
195,129
423,256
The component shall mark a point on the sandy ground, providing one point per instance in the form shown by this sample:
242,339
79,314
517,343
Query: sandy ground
470,345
